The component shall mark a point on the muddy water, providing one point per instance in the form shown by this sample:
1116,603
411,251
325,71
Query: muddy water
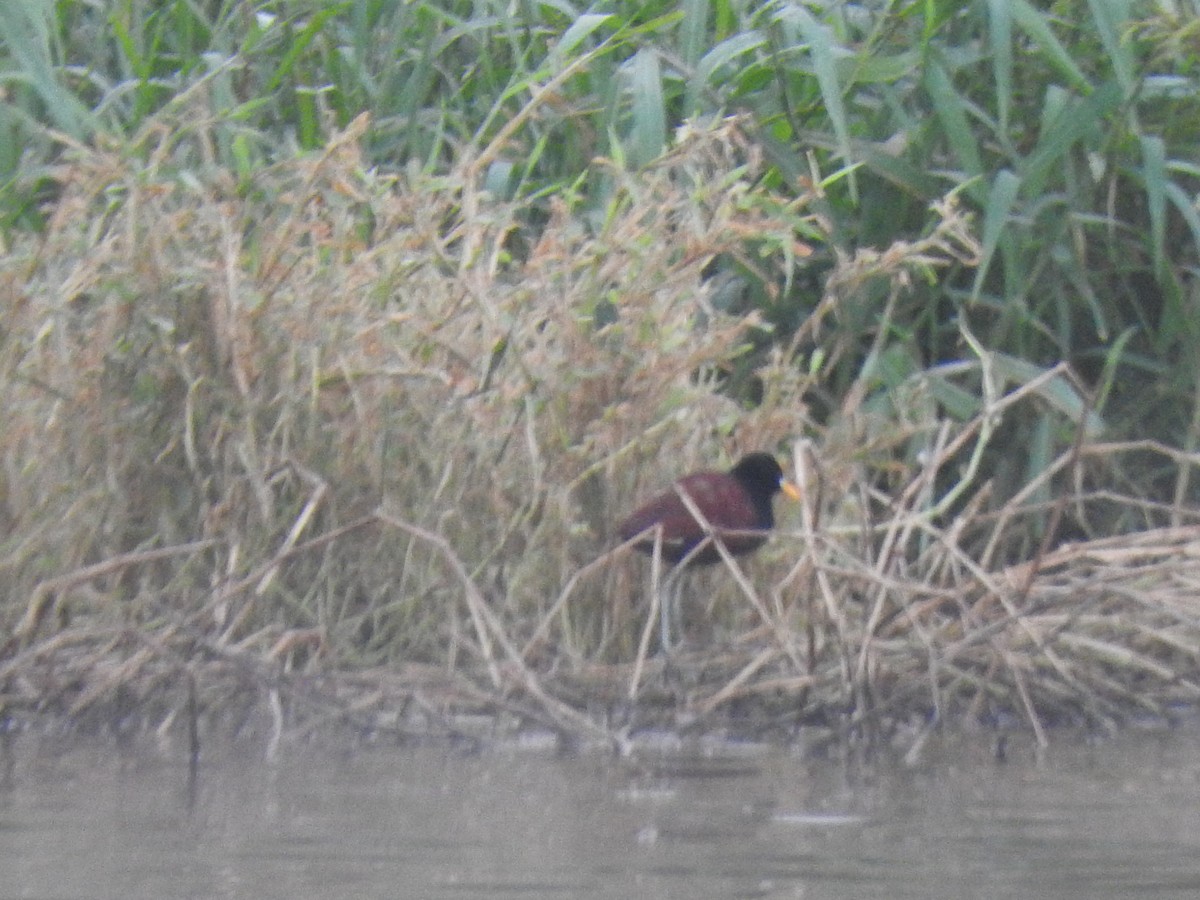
1114,818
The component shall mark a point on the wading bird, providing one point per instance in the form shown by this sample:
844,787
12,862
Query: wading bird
734,508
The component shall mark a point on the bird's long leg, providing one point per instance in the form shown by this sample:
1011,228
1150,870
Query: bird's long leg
672,587
656,608
669,617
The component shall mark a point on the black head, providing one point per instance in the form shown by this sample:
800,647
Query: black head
762,478
759,473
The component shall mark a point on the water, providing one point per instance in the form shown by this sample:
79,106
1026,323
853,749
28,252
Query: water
1118,818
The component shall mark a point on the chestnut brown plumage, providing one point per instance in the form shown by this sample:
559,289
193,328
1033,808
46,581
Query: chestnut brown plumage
735,501
732,503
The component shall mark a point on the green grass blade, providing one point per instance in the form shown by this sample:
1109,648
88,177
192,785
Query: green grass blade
1186,207
1154,176
1114,358
727,52
823,51
301,42
1059,392
1033,23
692,33
1000,201
581,29
1111,18
1000,37
951,113
1077,119
26,29
648,132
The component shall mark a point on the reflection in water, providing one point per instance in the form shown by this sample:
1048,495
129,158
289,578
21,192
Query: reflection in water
1115,819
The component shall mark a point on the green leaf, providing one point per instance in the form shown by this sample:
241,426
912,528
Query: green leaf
1000,38
1154,176
25,29
1036,27
648,133
692,32
1112,362
823,50
1186,207
1000,201
581,29
951,112
1059,391
1039,454
959,404
1112,18
727,51
1078,119
301,42
885,69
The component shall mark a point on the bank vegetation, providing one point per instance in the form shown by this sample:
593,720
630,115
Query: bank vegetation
337,338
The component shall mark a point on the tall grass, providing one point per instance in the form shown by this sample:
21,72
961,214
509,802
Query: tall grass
1065,127
345,328
186,365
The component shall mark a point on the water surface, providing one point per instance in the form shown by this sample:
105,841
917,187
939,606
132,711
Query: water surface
1089,819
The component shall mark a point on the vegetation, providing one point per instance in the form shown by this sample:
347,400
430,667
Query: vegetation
337,336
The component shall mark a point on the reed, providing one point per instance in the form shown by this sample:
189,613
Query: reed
326,450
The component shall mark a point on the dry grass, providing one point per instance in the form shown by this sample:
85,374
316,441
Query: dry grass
336,447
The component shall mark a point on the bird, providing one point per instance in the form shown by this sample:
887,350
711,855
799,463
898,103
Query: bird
736,509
